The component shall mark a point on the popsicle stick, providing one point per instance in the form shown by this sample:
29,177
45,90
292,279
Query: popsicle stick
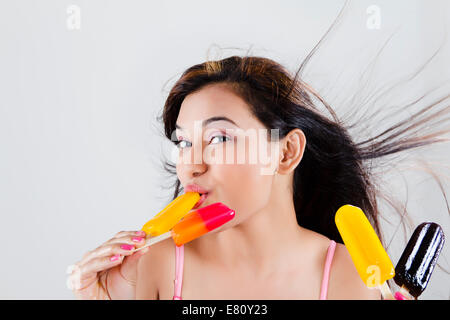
152,240
386,292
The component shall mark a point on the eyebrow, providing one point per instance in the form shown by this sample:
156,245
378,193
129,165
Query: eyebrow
213,119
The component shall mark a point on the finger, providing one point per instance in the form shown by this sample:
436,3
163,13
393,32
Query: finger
97,252
137,241
90,255
99,264
136,238
74,281
87,254
123,249
138,254
399,296
81,276
122,234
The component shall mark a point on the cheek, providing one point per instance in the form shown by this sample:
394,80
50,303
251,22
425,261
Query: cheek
244,189
245,184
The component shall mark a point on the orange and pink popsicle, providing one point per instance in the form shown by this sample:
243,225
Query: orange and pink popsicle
195,224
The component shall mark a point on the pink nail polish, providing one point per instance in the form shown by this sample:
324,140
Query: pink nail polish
141,233
115,257
399,296
127,246
137,239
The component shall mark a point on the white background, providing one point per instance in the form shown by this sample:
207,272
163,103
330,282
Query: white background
81,149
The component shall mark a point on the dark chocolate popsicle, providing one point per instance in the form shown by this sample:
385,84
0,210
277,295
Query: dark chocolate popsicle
417,262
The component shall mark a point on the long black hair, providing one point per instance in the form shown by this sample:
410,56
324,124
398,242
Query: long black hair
336,169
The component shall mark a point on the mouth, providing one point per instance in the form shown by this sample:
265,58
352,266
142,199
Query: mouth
202,199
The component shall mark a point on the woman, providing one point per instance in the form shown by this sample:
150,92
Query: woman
283,242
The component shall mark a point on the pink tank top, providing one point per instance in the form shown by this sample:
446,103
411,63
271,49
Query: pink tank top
179,260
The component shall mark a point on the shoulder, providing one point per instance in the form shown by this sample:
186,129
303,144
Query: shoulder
155,268
345,282
158,254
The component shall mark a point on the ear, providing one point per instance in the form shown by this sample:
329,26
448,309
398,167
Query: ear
292,149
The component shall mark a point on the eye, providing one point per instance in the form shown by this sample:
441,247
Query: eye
222,140
179,143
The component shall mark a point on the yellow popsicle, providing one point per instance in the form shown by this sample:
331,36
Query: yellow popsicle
171,214
369,257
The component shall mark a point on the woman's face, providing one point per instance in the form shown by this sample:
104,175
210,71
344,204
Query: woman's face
235,162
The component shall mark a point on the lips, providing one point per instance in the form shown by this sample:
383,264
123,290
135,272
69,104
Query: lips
195,188
200,202
202,191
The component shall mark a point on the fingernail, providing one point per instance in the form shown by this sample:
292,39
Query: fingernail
137,239
399,296
115,257
141,233
127,246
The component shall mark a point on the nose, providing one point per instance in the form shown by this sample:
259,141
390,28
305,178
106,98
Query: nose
194,170
193,163
197,173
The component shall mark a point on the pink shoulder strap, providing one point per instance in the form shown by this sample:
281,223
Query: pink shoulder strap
326,271
179,261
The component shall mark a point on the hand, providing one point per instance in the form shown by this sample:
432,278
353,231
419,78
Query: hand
89,277
399,296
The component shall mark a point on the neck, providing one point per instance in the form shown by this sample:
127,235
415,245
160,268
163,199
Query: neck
264,239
